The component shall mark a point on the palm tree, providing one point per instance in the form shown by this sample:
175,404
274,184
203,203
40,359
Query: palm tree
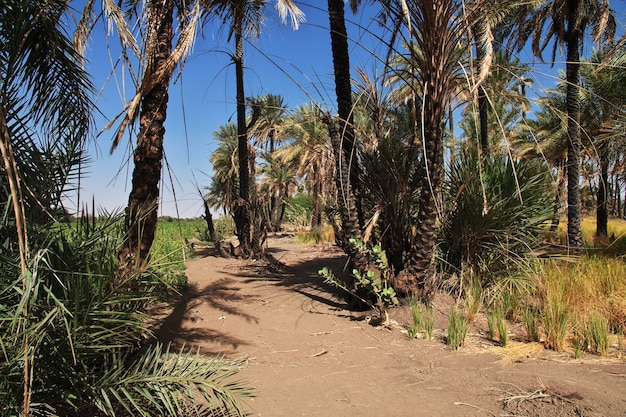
436,28
244,18
603,101
223,190
157,64
310,152
547,140
343,91
565,22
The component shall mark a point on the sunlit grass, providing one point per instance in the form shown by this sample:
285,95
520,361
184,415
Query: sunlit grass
574,293
323,234
615,244
172,248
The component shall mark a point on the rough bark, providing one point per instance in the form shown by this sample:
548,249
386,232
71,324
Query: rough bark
343,90
142,211
572,74
241,212
602,212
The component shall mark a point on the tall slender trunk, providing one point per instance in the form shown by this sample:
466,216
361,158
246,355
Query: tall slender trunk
143,200
572,74
242,207
316,212
343,90
483,114
560,186
602,212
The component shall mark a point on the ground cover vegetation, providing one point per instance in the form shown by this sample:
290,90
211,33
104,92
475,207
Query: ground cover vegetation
417,207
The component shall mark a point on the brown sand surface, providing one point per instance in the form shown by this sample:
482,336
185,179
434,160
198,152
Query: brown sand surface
306,354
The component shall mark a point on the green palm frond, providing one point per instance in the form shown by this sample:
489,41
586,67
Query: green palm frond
167,383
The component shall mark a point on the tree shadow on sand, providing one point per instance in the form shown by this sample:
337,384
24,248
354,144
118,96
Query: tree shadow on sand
222,295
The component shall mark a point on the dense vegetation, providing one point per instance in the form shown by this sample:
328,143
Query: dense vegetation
417,207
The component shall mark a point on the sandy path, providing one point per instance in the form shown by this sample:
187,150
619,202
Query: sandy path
308,356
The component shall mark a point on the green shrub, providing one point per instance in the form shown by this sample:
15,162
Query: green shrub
457,329
497,212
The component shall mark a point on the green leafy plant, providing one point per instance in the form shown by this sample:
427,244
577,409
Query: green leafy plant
429,322
491,324
457,329
417,318
373,282
531,324
502,328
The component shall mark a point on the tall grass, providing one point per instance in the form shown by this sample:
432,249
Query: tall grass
591,290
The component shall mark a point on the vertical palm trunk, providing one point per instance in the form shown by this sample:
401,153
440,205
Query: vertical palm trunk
142,210
602,212
242,207
483,115
343,90
437,38
572,74
316,212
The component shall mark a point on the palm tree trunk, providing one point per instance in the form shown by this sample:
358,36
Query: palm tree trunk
483,115
242,206
572,74
142,210
343,90
602,212
316,212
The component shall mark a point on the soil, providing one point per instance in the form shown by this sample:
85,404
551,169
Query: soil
306,354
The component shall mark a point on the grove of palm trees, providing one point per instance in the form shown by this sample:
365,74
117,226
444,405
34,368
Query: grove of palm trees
440,194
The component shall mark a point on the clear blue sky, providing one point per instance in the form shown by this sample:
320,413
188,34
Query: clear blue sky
294,64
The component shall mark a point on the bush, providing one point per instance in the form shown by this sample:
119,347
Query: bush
496,213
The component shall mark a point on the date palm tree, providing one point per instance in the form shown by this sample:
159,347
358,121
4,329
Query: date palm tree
307,148
158,59
603,102
345,127
244,19
565,22
435,29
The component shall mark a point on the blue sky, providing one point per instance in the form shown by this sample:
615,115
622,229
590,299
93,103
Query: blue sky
294,64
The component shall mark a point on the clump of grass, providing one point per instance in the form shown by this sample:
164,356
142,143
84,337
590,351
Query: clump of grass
502,328
428,321
564,290
556,317
491,324
473,298
416,314
457,329
598,333
531,324
318,235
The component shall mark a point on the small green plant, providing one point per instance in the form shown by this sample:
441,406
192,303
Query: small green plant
579,340
473,298
502,328
429,322
598,333
373,283
491,324
531,324
556,319
417,316
457,329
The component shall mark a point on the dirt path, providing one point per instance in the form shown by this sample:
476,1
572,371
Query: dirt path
306,355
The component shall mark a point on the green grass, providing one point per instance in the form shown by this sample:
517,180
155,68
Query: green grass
324,234
172,248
